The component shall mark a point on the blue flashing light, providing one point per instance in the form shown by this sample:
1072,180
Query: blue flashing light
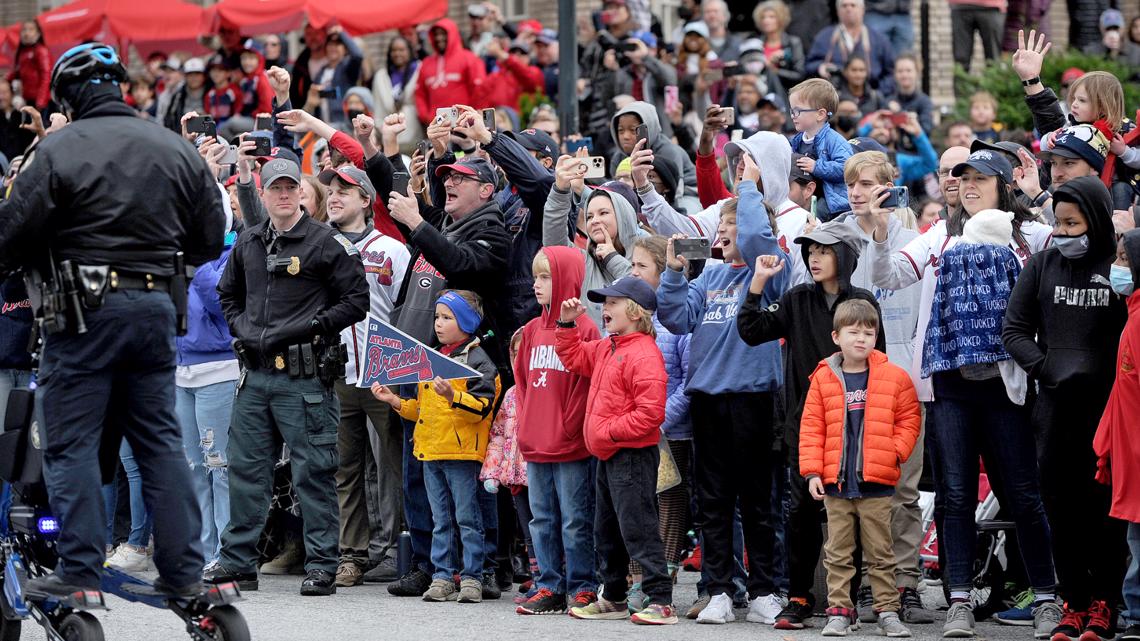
48,525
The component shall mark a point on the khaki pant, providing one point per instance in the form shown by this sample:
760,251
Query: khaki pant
906,517
871,518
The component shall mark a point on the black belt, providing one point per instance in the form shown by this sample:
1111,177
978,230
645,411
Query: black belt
270,361
135,280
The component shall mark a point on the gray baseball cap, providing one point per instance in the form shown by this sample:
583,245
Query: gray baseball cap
351,175
279,168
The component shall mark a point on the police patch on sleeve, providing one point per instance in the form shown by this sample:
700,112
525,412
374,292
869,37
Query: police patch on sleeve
349,248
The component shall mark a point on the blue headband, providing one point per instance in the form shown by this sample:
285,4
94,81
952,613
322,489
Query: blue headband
467,318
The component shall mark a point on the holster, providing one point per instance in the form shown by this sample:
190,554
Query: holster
294,361
330,365
179,286
93,281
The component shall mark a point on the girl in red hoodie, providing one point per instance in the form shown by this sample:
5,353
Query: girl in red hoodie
624,413
33,66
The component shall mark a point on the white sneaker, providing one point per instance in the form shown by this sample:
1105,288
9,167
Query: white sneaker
719,610
128,558
765,609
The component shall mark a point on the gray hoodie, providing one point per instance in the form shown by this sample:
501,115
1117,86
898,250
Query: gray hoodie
598,274
661,145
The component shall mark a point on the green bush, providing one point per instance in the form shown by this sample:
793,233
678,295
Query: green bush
1000,80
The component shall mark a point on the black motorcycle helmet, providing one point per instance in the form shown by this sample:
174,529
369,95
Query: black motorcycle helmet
93,62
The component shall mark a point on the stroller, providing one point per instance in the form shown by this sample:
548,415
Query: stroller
28,550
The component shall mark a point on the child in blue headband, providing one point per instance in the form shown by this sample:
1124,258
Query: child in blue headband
453,424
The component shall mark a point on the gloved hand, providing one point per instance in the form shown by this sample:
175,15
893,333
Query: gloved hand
491,485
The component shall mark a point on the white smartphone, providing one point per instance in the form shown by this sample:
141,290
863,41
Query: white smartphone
450,114
595,167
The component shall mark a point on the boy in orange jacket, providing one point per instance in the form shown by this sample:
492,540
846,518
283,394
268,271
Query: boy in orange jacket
624,412
860,422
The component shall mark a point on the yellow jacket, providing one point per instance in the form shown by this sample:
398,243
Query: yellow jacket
456,431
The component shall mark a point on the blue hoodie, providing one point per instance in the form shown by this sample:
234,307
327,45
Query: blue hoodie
207,336
831,153
719,360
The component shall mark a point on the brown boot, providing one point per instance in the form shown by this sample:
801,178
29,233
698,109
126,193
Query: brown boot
291,560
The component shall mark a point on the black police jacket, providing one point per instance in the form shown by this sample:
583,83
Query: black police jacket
112,189
318,275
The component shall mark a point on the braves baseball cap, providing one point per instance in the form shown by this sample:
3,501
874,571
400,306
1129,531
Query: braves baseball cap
630,287
351,175
277,169
1083,142
988,163
797,174
471,166
1006,147
535,140
866,143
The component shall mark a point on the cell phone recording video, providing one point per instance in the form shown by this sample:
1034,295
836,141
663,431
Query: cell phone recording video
642,134
692,248
489,119
400,183
264,122
899,197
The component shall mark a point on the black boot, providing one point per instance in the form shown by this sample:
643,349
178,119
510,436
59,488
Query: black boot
246,581
318,583
413,583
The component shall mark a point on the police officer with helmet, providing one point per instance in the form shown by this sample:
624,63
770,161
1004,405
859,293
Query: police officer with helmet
291,285
104,218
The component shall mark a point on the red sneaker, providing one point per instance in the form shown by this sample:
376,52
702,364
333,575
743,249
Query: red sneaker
693,562
1099,624
1072,622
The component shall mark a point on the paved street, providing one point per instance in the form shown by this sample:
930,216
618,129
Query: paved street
368,613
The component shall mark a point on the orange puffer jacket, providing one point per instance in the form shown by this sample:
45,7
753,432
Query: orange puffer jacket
626,404
891,422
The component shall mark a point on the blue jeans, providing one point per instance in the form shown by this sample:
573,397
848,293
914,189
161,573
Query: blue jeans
452,488
896,27
977,416
204,416
489,517
417,512
140,515
562,524
1132,579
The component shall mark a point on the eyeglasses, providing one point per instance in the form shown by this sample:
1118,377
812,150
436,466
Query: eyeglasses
456,178
797,112
942,173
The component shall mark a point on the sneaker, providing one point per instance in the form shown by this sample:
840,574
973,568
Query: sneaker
291,560
471,590
348,574
129,558
1021,612
490,587
414,583
211,566
583,598
718,610
867,605
765,609
544,601
796,615
891,626
1131,633
959,621
318,583
911,609
1072,622
246,581
636,598
693,562
698,606
441,590
1099,626
840,621
655,614
523,598
384,572
1046,617
602,610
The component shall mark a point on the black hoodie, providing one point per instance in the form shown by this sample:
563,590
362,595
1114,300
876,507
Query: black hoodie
803,318
1063,321
1131,240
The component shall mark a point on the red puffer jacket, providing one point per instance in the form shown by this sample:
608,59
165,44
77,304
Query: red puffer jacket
626,404
891,422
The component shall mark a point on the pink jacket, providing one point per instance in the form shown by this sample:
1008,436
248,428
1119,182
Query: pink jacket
504,463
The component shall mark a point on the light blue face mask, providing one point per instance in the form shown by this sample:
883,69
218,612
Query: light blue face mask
1120,278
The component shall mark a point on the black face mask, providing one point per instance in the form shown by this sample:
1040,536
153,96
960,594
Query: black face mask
685,14
846,123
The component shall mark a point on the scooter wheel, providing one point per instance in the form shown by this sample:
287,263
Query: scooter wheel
9,629
229,624
80,626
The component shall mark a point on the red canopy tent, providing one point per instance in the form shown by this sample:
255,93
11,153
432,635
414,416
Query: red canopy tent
149,24
357,17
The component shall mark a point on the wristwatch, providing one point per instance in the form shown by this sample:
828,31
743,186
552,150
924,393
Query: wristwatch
1041,198
566,324
1035,80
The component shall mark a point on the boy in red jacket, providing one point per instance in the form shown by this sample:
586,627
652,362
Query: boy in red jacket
860,422
560,470
624,412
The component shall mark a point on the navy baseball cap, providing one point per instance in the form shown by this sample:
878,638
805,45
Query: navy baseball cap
471,166
629,287
866,143
536,140
1006,147
988,163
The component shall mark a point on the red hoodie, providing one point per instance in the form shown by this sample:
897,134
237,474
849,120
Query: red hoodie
453,78
626,406
32,67
505,86
551,399
1116,444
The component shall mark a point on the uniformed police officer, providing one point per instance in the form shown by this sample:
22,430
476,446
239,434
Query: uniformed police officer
291,285
96,216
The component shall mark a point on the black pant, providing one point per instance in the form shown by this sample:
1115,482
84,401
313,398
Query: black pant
625,524
804,540
732,435
120,373
967,19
